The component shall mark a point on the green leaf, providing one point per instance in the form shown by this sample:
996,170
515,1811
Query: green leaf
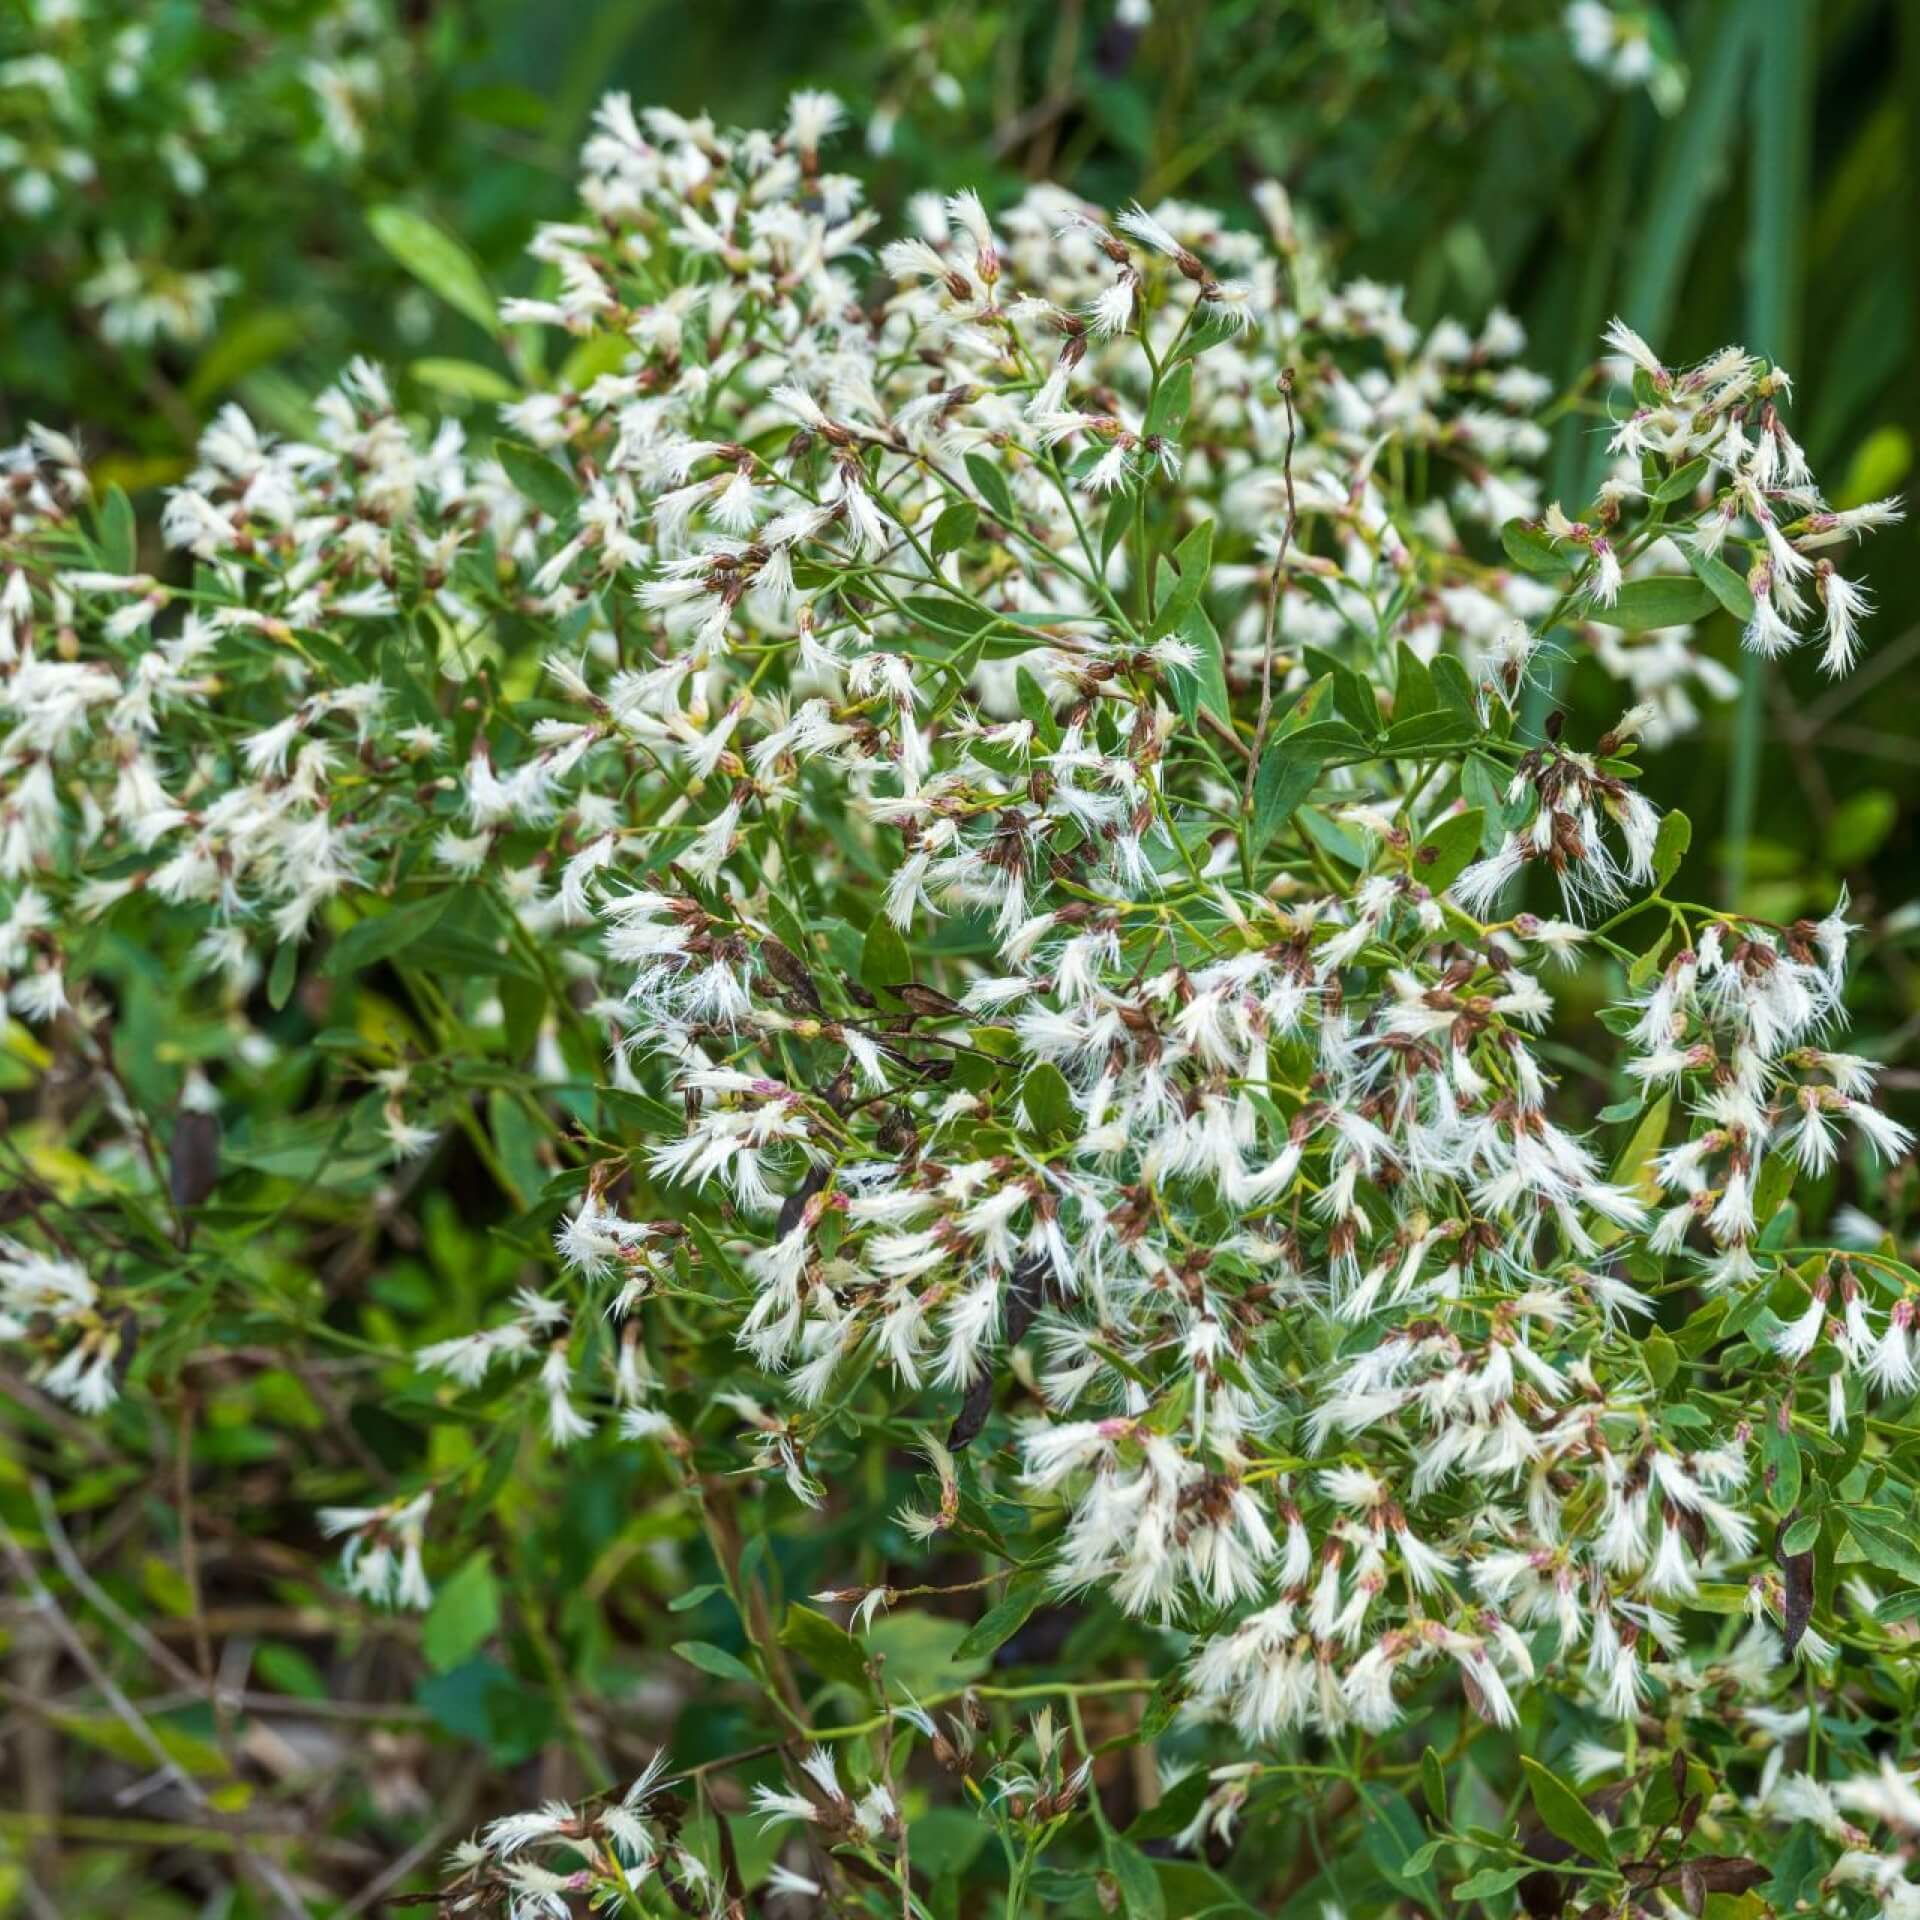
381,936
1353,697
954,528
1455,688
1140,1895
1771,1190
1860,826
992,484
1328,740
602,353
437,260
1396,1841
1670,846
188,1751
1206,685
287,1670
251,341
482,1702
1436,731
884,960
1413,687
716,1661
545,482
922,1651
1005,1618
1880,464
1679,484
1422,1858
826,1646
119,538
1035,708
523,1002
946,1840
1307,709
1180,1804
1490,1881
1532,552
305,1147
1284,780
1162,1704
1441,858
1191,560
1662,1357
1564,1813
1332,836
1482,784
1648,964
1802,1536
465,380
1888,1545
953,618
281,976
1049,1101
1433,1783
1721,581
1645,1143
1168,413
1644,604
464,1614
1798,1864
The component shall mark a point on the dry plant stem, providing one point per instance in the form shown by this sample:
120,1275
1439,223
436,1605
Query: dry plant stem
189,1545
723,1527
422,1850
43,1408
103,1602
195,1686
49,1609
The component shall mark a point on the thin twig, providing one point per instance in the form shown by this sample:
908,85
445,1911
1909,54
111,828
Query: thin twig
44,1408
100,1600
290,1706
428,1844
123,1708
268,1872
189,1547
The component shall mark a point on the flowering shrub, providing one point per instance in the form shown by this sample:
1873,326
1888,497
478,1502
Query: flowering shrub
951,851
158,165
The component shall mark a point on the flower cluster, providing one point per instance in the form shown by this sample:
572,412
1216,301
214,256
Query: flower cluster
533,1865
55,1304
987,813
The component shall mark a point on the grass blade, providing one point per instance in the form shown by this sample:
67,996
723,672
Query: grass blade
1689,176
1782,116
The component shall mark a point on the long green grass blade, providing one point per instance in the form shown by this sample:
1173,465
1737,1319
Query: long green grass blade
1691,173
1689,176
1780,144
